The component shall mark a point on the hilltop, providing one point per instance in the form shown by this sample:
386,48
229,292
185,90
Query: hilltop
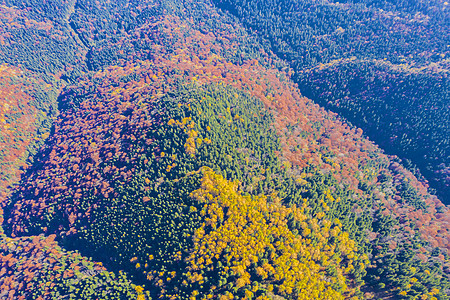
183,161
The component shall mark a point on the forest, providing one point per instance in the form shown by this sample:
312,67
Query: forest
383,65
167,149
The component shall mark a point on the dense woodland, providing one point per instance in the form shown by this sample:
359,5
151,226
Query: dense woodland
383,65
169,154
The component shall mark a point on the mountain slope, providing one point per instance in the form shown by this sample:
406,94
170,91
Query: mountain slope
382,65
185,157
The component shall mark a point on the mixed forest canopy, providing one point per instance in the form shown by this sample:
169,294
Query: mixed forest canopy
166,149
383,65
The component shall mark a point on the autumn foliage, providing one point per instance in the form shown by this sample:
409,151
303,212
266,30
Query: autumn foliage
186,157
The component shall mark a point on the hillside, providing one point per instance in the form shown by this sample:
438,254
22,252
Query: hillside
184,162
383,65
